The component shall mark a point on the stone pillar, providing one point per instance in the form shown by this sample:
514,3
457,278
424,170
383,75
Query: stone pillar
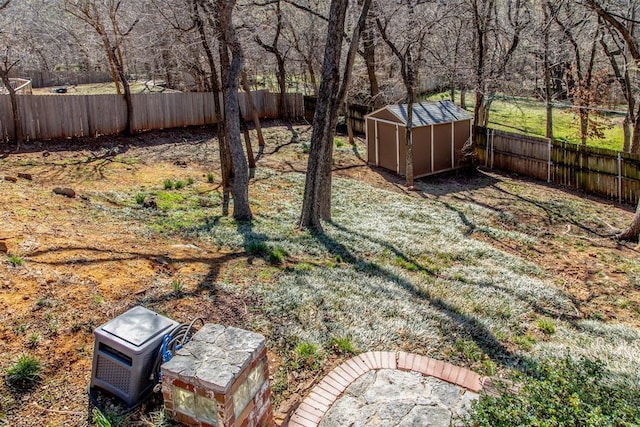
219,378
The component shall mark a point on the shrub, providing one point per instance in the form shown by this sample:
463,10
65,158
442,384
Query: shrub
190,181
140,198
24,373
210,178
342,346
273,255
276,255
546,326
168,184
307,355
177,287
564,392
257,248
15,260
178,185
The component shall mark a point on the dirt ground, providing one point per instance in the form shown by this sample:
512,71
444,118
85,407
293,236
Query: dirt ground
83,264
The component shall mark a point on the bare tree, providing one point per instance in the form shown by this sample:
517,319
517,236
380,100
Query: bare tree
105,17
316,205
623,26
7,63
231,60
496,42
226,166
408,48
368,54
575,25
280,57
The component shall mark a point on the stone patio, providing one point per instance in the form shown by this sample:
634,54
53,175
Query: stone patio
389,389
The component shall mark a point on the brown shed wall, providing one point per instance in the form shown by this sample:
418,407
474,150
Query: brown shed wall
393,157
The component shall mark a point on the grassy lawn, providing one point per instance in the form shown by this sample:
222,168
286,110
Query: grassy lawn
99,89
528,116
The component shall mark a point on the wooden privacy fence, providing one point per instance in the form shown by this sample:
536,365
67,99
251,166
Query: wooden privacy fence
607,173
65,116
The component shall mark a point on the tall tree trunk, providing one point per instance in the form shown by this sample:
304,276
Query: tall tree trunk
480,35
316,204
128,126
478,109
626,133
348,121
223,146
312,75
369,56
282,85
232,67
410,82
409,142
635,141
13,97
547,74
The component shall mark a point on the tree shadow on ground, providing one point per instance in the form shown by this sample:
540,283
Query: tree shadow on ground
434,186
469,325
161,262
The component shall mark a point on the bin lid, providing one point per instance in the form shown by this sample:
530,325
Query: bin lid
138,325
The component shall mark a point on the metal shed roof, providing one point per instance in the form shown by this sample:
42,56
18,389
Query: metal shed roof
429,113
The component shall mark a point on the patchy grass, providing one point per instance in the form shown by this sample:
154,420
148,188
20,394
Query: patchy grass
462,269
437,287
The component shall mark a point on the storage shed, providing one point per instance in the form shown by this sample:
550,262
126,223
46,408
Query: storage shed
440,130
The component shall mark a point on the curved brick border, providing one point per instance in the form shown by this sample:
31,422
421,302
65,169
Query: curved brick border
327,391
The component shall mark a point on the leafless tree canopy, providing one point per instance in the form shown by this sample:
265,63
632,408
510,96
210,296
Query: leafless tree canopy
584,53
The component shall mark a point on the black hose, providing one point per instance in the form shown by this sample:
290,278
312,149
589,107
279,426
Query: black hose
178,337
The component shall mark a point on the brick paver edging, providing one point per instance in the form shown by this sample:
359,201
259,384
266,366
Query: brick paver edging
327,391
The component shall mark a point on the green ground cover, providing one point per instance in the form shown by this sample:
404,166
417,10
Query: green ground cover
528,116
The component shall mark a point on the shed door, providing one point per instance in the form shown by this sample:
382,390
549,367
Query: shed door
371,141
421,138
442,147
387,151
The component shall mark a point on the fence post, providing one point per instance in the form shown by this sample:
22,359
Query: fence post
549,164
493,135
486,150
619,177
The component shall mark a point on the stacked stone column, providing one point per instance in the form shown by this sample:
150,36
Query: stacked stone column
219,378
